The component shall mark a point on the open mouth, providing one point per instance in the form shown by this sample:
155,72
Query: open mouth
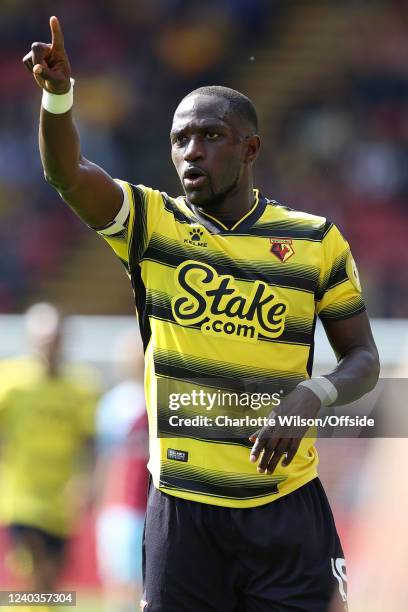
194,177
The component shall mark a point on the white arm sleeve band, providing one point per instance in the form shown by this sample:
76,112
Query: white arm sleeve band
323,388
119,222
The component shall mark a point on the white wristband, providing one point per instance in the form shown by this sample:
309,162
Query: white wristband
57,104
323,388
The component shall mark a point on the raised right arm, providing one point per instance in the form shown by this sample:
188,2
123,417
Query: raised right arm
86,187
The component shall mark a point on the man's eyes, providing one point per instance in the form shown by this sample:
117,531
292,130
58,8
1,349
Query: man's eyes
181,139
212,135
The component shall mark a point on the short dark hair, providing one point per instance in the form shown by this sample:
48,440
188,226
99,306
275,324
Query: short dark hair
239,104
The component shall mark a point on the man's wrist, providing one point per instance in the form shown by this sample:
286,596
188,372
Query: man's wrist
57,104
323,388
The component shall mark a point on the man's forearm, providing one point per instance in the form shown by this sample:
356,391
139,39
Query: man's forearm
358,364
86,187
355,375
60,149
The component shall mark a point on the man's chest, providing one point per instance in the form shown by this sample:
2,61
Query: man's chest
231,284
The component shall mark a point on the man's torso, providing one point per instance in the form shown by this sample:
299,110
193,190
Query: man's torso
223,311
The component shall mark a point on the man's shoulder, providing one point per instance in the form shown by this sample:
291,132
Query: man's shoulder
151,195
153,200
284,212
148,191
301,224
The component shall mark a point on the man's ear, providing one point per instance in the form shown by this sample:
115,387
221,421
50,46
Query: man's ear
253,144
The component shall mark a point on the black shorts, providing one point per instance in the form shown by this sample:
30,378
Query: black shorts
40,543
280,557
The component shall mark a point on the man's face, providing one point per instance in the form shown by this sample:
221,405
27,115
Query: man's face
208,148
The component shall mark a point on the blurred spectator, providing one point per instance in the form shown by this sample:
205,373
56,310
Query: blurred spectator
46,423
342,150
121,426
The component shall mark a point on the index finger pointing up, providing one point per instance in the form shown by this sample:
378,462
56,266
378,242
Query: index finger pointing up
56,32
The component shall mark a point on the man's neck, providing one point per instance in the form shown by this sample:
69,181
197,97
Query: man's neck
232,208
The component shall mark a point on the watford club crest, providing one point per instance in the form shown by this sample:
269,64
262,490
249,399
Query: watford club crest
282,248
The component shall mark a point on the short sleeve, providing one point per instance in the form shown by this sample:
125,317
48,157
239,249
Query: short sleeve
118,233
130,231
339,290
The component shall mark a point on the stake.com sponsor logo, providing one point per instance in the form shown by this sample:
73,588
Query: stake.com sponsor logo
214,300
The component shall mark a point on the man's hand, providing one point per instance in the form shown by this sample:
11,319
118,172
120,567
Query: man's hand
274,442
49,62
86,187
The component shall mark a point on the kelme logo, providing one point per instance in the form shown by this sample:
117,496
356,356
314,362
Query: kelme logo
196,237
216,303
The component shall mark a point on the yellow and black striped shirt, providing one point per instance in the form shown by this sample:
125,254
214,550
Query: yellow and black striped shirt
222,311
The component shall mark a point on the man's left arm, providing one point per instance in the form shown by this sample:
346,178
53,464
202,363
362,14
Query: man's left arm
340,307
358,365
356,373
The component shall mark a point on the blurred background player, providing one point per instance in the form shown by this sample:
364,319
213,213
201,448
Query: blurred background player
46,424
122,441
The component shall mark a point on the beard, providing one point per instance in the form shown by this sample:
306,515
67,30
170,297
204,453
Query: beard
215,199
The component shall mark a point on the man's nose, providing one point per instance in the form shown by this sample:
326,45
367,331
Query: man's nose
194,150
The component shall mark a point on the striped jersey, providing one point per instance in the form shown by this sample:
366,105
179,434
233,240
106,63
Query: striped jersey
46,423
227,317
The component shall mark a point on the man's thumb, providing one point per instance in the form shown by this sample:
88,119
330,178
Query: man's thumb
42,71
